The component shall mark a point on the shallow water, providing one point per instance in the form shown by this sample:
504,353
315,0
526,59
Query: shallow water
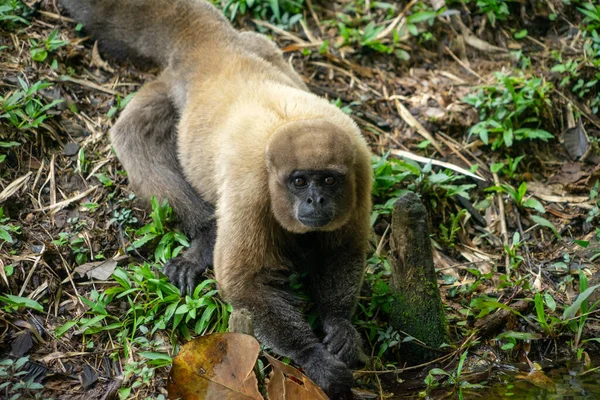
569,381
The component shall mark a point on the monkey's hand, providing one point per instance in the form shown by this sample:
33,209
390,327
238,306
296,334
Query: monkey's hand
330,374
343,341
184,273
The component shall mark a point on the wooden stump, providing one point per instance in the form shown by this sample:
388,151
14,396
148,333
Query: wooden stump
417,308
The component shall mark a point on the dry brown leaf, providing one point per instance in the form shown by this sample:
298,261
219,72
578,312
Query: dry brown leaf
287,383
97,61
101,270
215,367
539,379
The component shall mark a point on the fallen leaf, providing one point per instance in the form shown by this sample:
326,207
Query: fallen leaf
287,383
539,379
97,61
214,367
576,141
101,270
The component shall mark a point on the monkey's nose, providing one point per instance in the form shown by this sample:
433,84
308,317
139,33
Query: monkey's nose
320,200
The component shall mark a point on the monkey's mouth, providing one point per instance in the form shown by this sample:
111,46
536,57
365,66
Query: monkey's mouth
313,221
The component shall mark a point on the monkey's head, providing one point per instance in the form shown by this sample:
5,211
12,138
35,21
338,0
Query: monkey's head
311,175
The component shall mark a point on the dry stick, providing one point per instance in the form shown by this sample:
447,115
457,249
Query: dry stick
308,33
66,202
89,84
425,160
503,229
314,15
380,245
14,186
52,181
396,21
413,123
453,149
30,274
585,114
482,165
279,31
462,64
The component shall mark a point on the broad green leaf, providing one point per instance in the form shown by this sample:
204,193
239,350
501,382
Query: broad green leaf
573,308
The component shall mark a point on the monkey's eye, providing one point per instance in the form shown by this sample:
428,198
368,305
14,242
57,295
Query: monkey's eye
299,181
329,181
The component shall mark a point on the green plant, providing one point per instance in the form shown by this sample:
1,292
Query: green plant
518,196
40,50
508,168
513,110
7,229
23,108
152,304
580,306
14,302
76,243
285,13
170,243
448,233
592,16
454,378
12,383
12,13
121,103
496,10
394,177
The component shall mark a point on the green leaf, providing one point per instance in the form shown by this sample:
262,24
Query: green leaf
546,224
536,205
4,235
496,167
521,34
550,302
421,17
573,308
519,335
21,302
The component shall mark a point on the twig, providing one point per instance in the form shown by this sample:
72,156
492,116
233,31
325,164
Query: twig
503,229
66,202
425,160
14,186
30,274
314,15
279,31
396,21
413,123
89,84
462,64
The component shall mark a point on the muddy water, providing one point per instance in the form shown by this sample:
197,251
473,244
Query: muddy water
570,381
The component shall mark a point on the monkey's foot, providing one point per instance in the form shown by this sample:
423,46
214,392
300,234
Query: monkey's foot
184,273
330,374
343,341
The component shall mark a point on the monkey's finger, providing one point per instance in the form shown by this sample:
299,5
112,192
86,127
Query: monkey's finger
191,283
336,341
348,354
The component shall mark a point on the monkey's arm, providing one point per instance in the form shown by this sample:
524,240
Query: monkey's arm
335,289
249,274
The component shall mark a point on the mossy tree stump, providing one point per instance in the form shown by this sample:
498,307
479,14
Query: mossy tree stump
417,308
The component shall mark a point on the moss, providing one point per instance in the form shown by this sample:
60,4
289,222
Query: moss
417,310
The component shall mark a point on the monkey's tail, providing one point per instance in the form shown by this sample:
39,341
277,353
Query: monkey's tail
154,30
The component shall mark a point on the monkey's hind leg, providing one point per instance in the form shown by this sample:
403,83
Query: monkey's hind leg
144,139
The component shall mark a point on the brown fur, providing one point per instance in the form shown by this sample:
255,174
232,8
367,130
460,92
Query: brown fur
240,120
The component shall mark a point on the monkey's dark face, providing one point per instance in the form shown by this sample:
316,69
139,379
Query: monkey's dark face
317,195
310,166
